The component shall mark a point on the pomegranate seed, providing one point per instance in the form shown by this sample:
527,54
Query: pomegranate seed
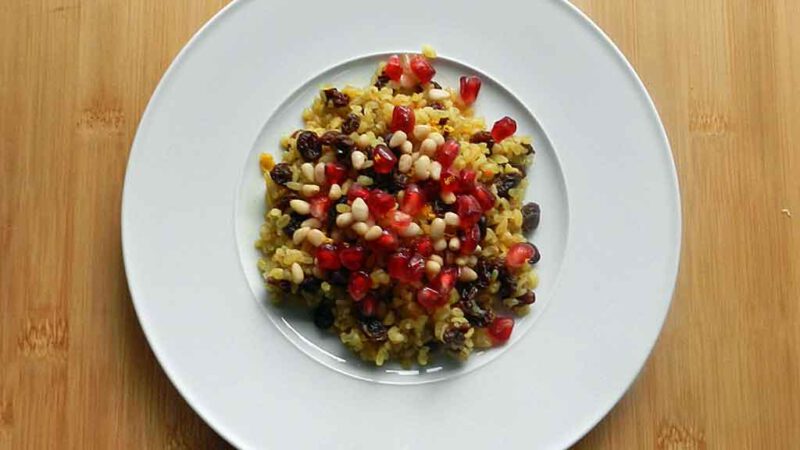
449,181
470,86
519,254
397,263
447,153
446,279
430,188
319,206
503,128
380,202
402,119
424,246
429,298
359,285
335,173
393,68
470,241
353,257
327,258
383,158
484,196
500,329
399,220
387,241
469,210
357,191
368,306
422,68
413,200
467,179
415,268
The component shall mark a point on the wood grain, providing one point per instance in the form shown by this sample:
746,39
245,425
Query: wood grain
76,371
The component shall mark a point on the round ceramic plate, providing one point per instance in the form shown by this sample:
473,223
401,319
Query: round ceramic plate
262,375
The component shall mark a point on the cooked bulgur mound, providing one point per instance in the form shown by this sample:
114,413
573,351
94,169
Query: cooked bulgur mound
397,218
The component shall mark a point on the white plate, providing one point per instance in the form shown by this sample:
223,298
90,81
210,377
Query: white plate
260,375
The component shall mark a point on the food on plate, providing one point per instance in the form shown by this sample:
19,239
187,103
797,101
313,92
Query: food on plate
397,217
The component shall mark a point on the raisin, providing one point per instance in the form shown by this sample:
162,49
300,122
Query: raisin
329,138
508,283
477,316
374,329
399,182
332,213
484,269
506,182
351,123
467,291
531,213
381,81
521,167
528,298
437,106
310,284
339,277
283,201
482,226
436,85
483,137
308,145
443,121
454,339
294,223
323,316
530,149
440,207
536,255
337,98
281,285
281,174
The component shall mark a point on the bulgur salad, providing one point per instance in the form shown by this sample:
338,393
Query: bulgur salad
397,218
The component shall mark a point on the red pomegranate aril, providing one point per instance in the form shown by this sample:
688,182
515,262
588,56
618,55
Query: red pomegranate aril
500,329
415,268
399,220
429,298
327,257
368,306
413,200
319,206
467,179
447,153
383,159
422,68
519,254
335,173
357,191
402,119
359,285
396,264
503,128
352,257
484,196
470,240
469,210
393,69
387,241
470,86
446,279
380,202
424,246
449,181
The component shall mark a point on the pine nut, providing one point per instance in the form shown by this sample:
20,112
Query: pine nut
421,132
363,141
297,273
360,210
307,169
436,170
412,230
428,147
432,268
438,94
397,139
467,274
360,228
454,244
448,198
311,223
440,245
437,137
358,158
438,259
315,237
407,147
344,220
404,165
300,206
300,235
422,167
309,190
437,228
452,219
319,173
373,233
335,192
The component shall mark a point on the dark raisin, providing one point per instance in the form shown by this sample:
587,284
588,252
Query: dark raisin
482,226
436,85
283,286
399,182
310,284
323,316
329,138
476,315
339,277
536,255
343,142
529,147
506,182
381,81
418,89
337,98
283,201
351,123
437,106
374,329
508,283
454,339
483,137
281,174
467,291
443,121
531,213
294,223
440,207
484,269
446,134
308,145
387,137
528,298
521,167
332,213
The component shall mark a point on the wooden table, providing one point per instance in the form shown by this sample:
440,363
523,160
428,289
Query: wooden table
76,371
